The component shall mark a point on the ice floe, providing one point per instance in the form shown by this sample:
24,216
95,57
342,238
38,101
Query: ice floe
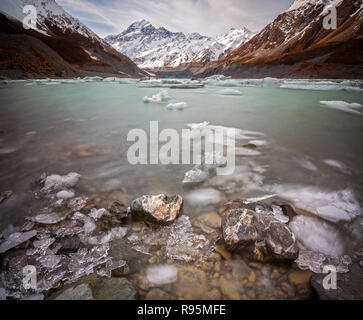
161,97
177,106
343,106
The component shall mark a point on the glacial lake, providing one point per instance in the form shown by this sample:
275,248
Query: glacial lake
307,153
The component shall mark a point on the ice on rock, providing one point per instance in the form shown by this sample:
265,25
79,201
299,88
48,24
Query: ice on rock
276,212
56,182
315,262
78,203
204,197
97,214
89,224
179,241
114,234
229,92
318,235
177,106
196,175
15,239
343,106
65,194
334,206
159,275
160,97
258,143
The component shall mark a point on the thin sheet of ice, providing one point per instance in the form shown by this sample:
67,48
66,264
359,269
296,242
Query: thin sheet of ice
15,239
333,206
318,235
47,218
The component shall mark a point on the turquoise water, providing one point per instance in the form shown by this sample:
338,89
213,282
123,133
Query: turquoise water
82,127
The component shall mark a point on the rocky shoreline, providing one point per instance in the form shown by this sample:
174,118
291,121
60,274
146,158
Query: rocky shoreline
153,250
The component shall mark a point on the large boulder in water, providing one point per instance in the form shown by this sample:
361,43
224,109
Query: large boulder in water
158,209
262,236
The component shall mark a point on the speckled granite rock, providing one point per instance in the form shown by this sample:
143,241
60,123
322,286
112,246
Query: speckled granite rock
159,209
262,236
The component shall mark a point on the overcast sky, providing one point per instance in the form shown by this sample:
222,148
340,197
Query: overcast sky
208,17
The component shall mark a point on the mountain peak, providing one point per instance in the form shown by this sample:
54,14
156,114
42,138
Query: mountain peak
140,24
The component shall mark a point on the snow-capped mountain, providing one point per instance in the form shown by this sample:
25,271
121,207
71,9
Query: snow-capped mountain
71,47
51,17
299,28
296,44
152,47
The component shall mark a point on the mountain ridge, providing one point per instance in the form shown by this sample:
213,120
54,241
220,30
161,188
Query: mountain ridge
154,48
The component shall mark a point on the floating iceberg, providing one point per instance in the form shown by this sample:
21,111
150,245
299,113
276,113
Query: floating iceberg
177,106
343,106
160,97
229,92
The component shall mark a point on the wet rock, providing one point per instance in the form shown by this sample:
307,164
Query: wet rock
227,289
115,289
223,252
349,285
300,277
157,294
80,292
262,236
5,195
160,209
118,209
211,220
69,244
192,283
